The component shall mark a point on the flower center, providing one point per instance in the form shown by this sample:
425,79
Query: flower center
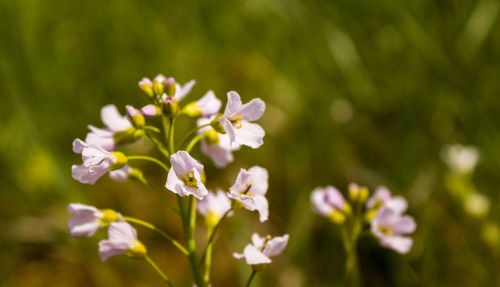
387,230
247,190
236,121
190,180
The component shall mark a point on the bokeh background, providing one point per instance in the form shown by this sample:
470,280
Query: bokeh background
365,91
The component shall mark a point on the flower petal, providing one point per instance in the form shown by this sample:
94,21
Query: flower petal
113,120
249,134
252,110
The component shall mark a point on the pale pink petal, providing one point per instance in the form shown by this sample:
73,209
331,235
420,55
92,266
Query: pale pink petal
182,91
249,134
404,225
382,194
276,245
400,244
121,174
122,231
228,127
252,110
397,203
254,256
319,204
108,248
209,104
262,206
259,180
258,241
183,163
88,175
78,146
150,111
334,197
219,155
233,104
172,181
113,120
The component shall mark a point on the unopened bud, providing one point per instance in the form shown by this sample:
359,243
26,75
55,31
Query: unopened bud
158,87
136,174
135,116
337,217
150,111
170,107
170,87
146,86
120,160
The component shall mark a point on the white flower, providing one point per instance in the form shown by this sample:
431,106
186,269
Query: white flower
250,188
184,178
214,206
114,123
460,158
86,220
216,146
122,238
262,248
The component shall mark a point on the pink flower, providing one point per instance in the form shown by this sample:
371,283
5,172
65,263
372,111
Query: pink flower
184,178
262,248
216,146
250,189
122,238
389,226
329,202
86,220
237,119
214,206
114,122
382,196
182,91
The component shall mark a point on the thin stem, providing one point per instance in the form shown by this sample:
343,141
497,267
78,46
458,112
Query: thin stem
158,270
151,159
193,142
167,204
166,127
161,147
152,128
251,278
191,244
157,230
190,134
171,136
211,238
208,258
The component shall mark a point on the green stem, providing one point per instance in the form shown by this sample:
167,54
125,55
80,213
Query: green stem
161,147
211,238
158,270
251,278
152,128
157,230
193,142
350,242
191,244
166,127
167,204
171,136
190,134
148,158
208,257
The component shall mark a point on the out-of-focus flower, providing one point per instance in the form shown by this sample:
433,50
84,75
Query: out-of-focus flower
390,226
477,204
460,158
122,238
207,106
216,146
118,130
237,118
96,162
184,178
358,194
86,220
330,203
262,248
121,174
182,91
381,197
146,85
250,189
214,206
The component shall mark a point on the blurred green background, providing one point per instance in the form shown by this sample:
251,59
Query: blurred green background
365,91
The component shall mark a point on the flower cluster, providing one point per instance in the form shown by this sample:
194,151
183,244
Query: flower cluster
219,134
381,213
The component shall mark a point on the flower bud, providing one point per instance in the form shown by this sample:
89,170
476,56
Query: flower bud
211,219
135,117
150,111
108,216
146,86
170,87
137,250
358,194
158,87
192,110
216,125
170,107
120,160
211,137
